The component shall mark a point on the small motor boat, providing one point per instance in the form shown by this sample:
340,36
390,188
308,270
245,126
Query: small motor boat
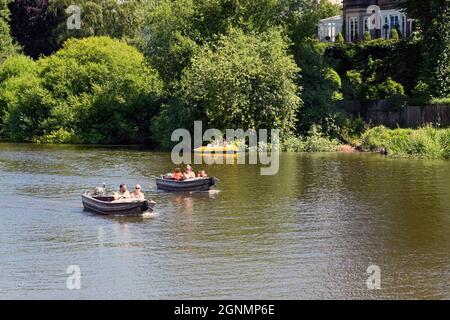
197,184
107,206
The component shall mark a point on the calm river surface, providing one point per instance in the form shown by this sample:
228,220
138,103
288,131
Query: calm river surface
309,232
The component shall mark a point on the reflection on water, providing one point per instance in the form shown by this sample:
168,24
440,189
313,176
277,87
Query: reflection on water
309,232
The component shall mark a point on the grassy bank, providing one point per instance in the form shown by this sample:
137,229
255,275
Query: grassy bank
426,142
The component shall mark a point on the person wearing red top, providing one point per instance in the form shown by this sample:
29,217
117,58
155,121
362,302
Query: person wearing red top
177,175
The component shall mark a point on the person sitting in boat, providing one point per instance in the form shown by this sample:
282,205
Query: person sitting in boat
202,174
137,194
177,175
123,193
189,173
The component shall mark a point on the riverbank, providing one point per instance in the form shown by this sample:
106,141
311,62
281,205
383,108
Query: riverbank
426,142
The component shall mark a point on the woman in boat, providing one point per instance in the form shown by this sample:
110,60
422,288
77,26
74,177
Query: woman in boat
177,175
189,173
137,194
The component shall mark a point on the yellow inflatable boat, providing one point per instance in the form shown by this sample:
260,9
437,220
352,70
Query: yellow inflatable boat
230,149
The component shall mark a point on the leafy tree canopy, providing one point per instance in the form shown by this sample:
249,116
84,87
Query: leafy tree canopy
7,47
244,81
95,90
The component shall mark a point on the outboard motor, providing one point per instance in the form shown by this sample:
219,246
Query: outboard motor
145,206
212,182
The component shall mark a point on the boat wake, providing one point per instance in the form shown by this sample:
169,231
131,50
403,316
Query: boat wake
150,215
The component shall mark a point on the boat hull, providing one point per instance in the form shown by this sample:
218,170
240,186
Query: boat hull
217,150
103,205
203,184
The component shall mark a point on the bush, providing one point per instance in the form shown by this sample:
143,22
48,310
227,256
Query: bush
440,101
379,59
172,116
97,89
321,84
314,142
245,81
10,69
394,34
350,129
426,142
28,106
16,66
60,136
367,36
421,94
389,88
340,38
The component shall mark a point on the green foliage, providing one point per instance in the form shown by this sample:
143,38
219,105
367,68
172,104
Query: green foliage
16,66
315,141
389,88
7,48
244,81
172,116
426,142
353,84
60,136
170,37
394,34
11,70
421,94
95,90
116,19
378,60
321,87
302,23
367,36
176,29
349,130
340,39
433,19
441,101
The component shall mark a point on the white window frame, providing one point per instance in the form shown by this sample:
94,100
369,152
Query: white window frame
352,28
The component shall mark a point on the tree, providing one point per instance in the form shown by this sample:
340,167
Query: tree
176,29
31,25
433,19
94,90
14,67
305,15
244,81
7,47
321,87
116,19
367,36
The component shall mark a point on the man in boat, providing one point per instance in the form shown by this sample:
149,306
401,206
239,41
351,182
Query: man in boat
189,173
137,194
123,193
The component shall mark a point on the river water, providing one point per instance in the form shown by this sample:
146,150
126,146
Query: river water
309,232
